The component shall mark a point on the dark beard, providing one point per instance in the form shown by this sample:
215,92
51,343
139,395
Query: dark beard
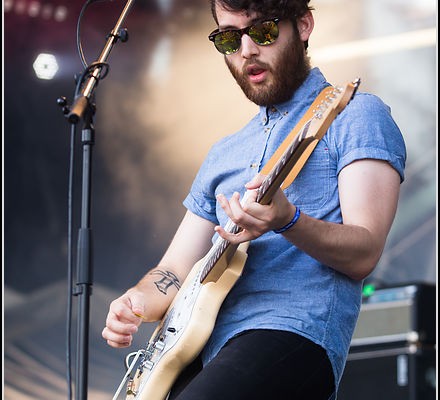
289,72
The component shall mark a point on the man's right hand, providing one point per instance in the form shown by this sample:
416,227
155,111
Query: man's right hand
125,315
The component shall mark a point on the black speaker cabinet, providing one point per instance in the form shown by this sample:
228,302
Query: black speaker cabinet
407,373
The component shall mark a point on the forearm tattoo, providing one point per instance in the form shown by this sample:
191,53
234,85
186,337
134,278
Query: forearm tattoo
167,280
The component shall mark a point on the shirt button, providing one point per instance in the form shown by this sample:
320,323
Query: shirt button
254,165
266,130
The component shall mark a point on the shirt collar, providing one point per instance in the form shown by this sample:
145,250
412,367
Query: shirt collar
306,93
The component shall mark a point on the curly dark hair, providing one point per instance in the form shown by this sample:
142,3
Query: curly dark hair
285,9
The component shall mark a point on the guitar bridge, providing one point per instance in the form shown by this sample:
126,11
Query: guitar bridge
131,388
132,384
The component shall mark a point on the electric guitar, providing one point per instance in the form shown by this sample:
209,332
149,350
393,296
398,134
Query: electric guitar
189,321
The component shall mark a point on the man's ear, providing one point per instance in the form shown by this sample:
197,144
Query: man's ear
305,26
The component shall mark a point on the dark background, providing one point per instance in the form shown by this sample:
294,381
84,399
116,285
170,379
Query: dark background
166,99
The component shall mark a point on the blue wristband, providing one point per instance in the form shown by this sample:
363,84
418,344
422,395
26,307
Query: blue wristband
291,223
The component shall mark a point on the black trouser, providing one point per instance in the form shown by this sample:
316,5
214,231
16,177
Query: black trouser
260,365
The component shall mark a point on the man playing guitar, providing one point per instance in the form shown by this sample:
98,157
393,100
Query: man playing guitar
284,329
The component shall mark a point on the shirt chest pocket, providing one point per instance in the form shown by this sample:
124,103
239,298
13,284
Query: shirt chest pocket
314,184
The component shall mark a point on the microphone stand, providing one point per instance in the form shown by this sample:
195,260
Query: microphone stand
83,108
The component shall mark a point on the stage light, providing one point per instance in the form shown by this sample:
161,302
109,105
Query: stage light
34,9
60,13
7,5
45,66
20,7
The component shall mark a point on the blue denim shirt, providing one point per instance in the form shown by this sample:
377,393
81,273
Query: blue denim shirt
281,286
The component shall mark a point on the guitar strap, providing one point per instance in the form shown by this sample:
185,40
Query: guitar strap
311,112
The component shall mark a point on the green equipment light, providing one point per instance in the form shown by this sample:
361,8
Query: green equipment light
368,290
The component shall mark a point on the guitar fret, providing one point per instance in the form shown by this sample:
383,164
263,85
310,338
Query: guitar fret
275,172
211,261
217,251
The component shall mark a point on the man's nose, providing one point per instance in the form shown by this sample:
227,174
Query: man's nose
248,48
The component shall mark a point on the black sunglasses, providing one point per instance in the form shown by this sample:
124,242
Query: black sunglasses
262,33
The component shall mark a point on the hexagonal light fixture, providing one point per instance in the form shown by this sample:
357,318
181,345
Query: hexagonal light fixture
45,66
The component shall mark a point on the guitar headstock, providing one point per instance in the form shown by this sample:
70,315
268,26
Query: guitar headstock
336,99
333,101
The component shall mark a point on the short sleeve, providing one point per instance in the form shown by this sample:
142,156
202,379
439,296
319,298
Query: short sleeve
366,129
201,198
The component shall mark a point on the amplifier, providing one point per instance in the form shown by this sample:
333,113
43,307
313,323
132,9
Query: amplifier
396,316
400,373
